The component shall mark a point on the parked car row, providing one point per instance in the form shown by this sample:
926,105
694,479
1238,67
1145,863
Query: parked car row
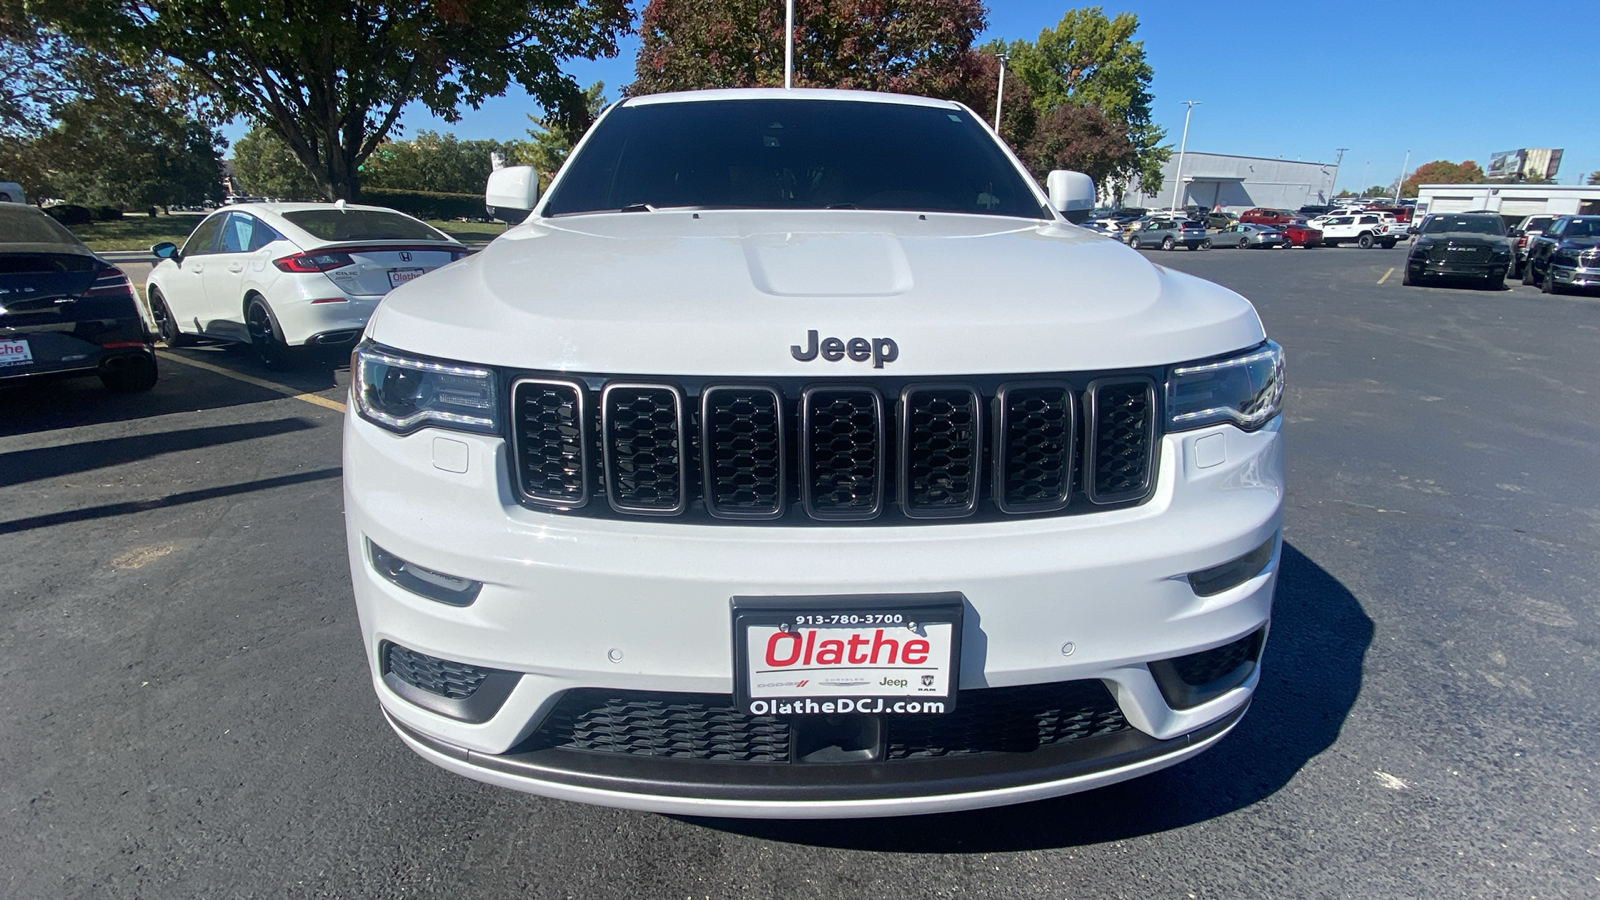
1556,253
1258,227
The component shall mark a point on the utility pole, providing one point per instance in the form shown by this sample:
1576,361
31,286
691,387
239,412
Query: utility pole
1178,182
1001,96
1335,181
788,44
1402,179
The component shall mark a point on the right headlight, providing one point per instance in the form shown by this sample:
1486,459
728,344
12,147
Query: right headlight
403,393
1245,390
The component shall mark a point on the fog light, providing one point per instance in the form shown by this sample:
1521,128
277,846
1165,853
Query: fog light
418,580
1215,580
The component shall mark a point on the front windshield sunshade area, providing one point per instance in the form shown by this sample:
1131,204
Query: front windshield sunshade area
1473,224
362,225
792,154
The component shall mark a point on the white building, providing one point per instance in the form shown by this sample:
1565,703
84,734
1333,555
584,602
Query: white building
1512,201
1238,183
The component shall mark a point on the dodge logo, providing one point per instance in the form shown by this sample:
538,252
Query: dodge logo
879,350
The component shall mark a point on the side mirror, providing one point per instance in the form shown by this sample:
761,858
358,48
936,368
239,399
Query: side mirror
512,193
1072,194
165,250
1411,229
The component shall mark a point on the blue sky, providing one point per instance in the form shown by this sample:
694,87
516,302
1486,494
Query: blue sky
1296,80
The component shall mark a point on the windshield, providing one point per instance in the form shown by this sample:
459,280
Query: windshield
362,225
792,154
1581,228
1474,224
23,225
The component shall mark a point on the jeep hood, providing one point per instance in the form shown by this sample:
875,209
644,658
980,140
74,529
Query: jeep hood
727,293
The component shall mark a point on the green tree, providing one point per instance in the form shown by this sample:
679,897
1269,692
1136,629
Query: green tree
332,78
107,151
265,166
1441,171
1088,60
1081,138
1594,177
550,140
902,46
434,162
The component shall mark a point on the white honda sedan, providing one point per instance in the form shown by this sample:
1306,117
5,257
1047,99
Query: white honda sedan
283,275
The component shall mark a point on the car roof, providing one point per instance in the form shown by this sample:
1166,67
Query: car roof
788,94
274,215
28,216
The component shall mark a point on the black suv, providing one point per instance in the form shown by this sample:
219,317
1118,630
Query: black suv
64,311
1566,255
1470,245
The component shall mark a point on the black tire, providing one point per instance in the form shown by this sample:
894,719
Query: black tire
1133,242
1205,244
1244,243
265,336
1364,242
1406,279
135,375
1167,243
1527,273
166,325
1515,271
1495,282
1387,245
1548,284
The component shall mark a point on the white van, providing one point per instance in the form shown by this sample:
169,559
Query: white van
11,192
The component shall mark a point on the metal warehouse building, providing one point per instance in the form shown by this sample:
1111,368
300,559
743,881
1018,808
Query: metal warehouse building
1238,183
1512,201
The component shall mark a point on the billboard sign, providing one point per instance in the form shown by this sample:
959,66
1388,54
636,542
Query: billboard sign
1506,163
1527,162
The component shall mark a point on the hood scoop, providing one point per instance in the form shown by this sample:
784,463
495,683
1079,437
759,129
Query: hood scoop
800,264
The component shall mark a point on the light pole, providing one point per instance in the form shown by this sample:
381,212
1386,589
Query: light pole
1183,146
1000,97
1403,167
788,44
1335,181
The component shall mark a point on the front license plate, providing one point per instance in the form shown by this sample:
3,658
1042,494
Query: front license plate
398,277
893,654
15,353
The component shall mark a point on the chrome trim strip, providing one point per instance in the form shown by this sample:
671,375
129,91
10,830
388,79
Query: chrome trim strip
584,438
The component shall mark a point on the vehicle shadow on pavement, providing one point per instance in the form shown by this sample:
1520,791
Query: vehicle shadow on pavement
1311,676
38,463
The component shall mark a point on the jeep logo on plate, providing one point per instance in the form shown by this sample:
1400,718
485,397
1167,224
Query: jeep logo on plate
879,350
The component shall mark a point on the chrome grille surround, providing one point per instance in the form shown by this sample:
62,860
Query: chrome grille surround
645,448
561,423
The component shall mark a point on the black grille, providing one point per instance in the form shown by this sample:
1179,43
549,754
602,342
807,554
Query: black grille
549,422
709,726
939,451
1036,438
1468,255
742,441
1200,669
448,679
842,453
985,447
644,449
1121,439
1008,720
676,726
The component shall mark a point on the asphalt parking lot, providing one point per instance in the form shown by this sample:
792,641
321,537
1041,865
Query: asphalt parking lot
184,710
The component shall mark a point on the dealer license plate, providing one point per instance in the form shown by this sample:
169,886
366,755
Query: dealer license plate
890,654
15,353
398,277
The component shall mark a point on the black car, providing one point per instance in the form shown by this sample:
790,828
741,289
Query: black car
65,312
1314,210
1566,255
1467,245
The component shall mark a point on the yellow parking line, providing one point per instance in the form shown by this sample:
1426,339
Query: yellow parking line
313,399
1386,275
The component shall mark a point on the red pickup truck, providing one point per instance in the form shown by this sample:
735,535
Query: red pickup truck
1261,215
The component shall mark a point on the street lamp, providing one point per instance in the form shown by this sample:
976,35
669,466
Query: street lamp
1001,96
788,44
1178,182
1403,167
1335,181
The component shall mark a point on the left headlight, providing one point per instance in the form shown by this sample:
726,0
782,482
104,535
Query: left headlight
1245,390
404,393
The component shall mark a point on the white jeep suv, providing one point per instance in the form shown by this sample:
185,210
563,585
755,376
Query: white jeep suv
798,457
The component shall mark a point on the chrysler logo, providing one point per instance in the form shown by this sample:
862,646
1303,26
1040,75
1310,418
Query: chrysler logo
879,350
405,256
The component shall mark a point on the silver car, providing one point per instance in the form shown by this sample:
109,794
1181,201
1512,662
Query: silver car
1169,233
1246,236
